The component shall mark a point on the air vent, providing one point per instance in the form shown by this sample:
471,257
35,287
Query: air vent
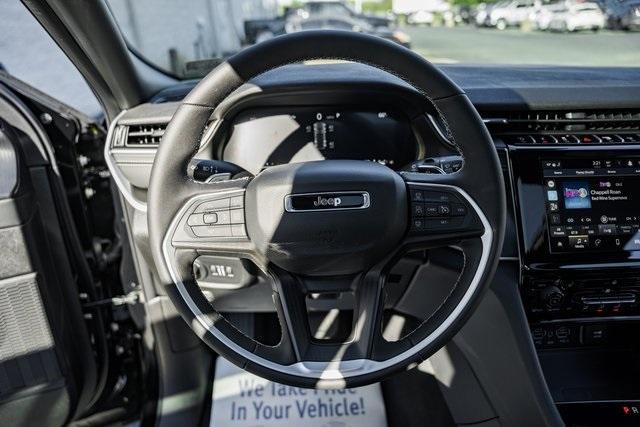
139,135
566,127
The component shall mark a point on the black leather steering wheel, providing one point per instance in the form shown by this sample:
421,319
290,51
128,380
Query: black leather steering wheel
322,226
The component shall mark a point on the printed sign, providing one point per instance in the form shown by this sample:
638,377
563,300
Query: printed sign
243,399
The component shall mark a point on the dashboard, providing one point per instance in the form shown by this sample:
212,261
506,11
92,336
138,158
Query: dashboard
569,143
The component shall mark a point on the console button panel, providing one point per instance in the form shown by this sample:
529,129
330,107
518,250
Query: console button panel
553,299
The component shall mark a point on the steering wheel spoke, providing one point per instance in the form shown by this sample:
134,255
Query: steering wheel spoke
298,299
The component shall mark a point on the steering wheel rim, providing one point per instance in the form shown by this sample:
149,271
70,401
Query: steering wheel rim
173,197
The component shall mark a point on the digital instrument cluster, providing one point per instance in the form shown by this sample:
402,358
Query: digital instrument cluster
264,137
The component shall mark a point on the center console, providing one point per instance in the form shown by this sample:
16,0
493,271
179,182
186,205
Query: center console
578,214
580,232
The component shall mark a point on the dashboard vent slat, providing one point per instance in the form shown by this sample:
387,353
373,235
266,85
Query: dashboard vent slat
531,127
139,135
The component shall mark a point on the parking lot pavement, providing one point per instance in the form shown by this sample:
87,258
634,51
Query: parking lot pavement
468,44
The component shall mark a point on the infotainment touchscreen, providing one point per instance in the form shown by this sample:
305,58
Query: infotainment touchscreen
592,204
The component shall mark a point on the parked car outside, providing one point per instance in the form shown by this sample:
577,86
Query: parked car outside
543,16
578,16
512,13
328,22
619,13
262,29
483,12
630,21
463,14
421,17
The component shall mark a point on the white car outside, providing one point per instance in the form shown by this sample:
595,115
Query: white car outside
543,16
482,15
578,16
513,13
422,17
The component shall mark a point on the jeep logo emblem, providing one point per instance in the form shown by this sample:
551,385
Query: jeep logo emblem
327,201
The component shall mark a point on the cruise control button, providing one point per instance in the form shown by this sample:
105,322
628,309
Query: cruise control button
458,209
417,209
417,195
443,223
417,224
439,196
431,209
444,210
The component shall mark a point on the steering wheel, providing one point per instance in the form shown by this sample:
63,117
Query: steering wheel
324,226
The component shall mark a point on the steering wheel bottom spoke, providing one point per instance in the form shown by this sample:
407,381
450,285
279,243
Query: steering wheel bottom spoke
296,296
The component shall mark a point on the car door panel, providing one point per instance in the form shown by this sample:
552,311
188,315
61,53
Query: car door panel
46,360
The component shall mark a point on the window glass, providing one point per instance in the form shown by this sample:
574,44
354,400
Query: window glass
173,33
29,54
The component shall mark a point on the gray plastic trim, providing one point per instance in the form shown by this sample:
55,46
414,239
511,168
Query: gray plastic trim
331,370
121,181
144,156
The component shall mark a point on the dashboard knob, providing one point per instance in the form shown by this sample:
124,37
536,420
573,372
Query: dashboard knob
552,297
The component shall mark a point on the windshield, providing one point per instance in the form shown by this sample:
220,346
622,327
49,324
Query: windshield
187,39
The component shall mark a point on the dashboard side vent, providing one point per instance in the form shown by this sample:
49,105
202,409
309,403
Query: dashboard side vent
139,135
566,127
